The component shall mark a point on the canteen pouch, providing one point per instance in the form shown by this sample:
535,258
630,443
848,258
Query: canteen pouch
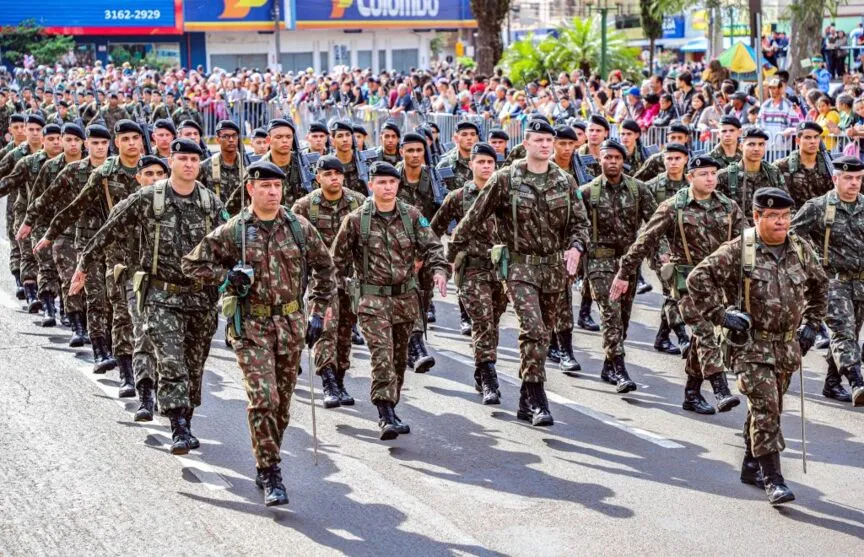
231,311
500,258
352,288
229,306
139,286
458,269
667,271
679,284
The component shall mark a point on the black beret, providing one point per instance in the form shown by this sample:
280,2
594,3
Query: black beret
191,124
565,132
434,126
281,123
72,129
127,126
848,164
165,124
381,168
676,126
582,125
631,125
426,131
412,138
360,129
498,133
481,148
739,96
730,121
340,126
754,132
150,160
539,125
702,161
227,125
51,129
465,124
393,127
330,162
63,103
677,148
36,119
259,133
812,126
264,170
614,144
186,146
318,127
772,198
17,119
112,94
98,131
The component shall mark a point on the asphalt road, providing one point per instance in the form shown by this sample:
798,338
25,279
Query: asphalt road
615,473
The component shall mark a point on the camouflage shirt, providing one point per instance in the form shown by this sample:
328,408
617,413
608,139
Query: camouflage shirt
652,168
616,216
735,183
394,159
846,241
222,179
292,186
663,188
20,181
111,116
161,112
420,194
352,178
50,170
461,171
327,216
719,155
11,158
455,207
805,183
633,162
593,168
59,194
182,114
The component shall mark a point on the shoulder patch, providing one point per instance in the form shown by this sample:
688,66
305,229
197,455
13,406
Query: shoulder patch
424,223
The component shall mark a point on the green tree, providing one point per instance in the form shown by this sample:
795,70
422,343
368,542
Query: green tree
28,38
651,13
805,37
490,15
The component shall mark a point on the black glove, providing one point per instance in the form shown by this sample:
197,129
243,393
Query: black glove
806,337
314,329
736,320
239,280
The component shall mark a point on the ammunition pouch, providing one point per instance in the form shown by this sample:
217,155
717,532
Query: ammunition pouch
500,256
140,283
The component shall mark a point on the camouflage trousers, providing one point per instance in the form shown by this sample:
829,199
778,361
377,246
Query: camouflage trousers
181,343
333,349
764,389
485,302
614,316
268,353
536,311
29,266
47,277
564,315
704,358
669,311
122,337
844,318
98,310
65,261
143,358
427,287
14,250
386,323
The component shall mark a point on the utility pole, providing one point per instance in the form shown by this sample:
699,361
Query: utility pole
276,18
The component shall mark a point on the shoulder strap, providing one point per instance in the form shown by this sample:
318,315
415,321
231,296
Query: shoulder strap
109,167
365,227
748,262
216,174
794,162
680,204
296,230
406,221
206,206
660,192
634,191
733,179
798,246
830,215
314,207
159,199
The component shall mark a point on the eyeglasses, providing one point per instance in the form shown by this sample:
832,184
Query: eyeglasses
787,216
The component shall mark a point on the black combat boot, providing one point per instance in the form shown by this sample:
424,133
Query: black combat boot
751,473
623,383
194,443
478,378
430,313
607,374
84,332
179,431
683,338
489,383
356,338
127,376
411,358
554,352
344,398
464,320
102,361
78,332
775,485
401,427
34,304
823,337
540,414
330,388
662,343
423,362
19,288
585,321
260,474
524,412
146,401
833,387
853,375
693,399
386,421
49,319
274,489
642,286
725,400
565,351
64,317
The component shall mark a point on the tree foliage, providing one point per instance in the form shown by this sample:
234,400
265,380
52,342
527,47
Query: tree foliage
651,13
28,38
490,15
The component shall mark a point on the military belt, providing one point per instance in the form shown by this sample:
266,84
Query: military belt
389,290
605,253
849,276
528,259
472,263
263,310
176,288
767,336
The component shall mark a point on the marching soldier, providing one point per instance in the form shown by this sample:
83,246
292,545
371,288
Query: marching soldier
807,170
677,133
695,221
325,208
342,135
267,326
360,136
466,135
740,180
480,291
112,113
23,143
317,139
164,109
223,172
381,241
388,151
499,140
765,268
834,225
727,150
259,144
162,135
543,230
187,113
630,134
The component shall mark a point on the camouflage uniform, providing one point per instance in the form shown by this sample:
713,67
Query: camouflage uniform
461,170
785,289
549,220
746,183
269,345
161,112
388,306
111,116
48,279
705,224
182,114
517,153
653,167
292,188
719,155
89,112
805,183
179,314
333,350
393,159
11,155
222,179
480,291
616,216
634,162
593,168
352,178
